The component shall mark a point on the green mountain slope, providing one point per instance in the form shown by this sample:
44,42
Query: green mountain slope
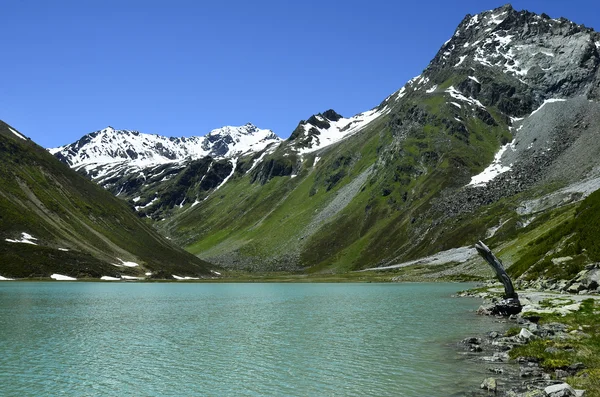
78,229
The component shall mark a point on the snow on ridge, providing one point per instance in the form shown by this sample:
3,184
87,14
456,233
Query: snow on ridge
473,21
551,100
6,279
597,44
493,170
474,79
17,134
110,148
497,19
26,238
342,128
402,92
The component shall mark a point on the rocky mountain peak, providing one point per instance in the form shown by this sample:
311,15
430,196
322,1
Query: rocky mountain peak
514,60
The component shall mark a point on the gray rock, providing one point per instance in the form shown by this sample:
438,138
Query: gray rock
575,288
490,384
561,374
530,372
576,367
591,279
560,390
532,393
472,341
526,335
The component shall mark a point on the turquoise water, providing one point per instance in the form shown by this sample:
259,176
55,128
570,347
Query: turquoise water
168,339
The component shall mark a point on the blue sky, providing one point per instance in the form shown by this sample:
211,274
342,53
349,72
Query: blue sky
183,68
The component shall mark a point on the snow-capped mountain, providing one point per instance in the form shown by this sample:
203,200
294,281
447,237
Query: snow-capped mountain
115,158
540,58
144,150
138,166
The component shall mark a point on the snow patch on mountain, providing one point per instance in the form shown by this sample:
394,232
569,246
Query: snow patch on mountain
493,170
432,89
184,278
338,130
60,277
233,165
461,60
17,134
25,239
547,101
125,263
141,207
456,94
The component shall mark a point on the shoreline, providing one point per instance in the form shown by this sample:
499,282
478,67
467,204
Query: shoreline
524,376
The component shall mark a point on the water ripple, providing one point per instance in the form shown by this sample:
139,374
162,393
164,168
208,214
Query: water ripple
88,339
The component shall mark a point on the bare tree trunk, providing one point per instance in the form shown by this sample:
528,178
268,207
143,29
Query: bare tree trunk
510,304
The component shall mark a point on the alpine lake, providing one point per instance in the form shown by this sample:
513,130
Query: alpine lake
238,339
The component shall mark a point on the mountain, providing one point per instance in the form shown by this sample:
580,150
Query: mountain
54,221
496,139
138,166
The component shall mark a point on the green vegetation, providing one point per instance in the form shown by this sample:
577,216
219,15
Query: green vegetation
583,347
267,220
81,229
570,240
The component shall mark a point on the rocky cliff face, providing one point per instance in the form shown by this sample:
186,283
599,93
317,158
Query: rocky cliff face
537,76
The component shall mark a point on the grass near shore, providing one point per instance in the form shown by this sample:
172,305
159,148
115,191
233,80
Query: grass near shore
583,347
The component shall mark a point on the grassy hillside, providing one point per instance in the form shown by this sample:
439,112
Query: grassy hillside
570,240
365,201
80,229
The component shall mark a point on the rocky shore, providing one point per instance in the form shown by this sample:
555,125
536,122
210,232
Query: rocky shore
524,376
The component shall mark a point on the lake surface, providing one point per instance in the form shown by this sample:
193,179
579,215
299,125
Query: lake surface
169,339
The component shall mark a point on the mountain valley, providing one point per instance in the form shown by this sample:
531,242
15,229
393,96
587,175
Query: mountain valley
497,139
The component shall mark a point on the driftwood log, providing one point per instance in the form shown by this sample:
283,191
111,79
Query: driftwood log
510,304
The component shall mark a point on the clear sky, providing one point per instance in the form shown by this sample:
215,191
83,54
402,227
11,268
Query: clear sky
183,68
